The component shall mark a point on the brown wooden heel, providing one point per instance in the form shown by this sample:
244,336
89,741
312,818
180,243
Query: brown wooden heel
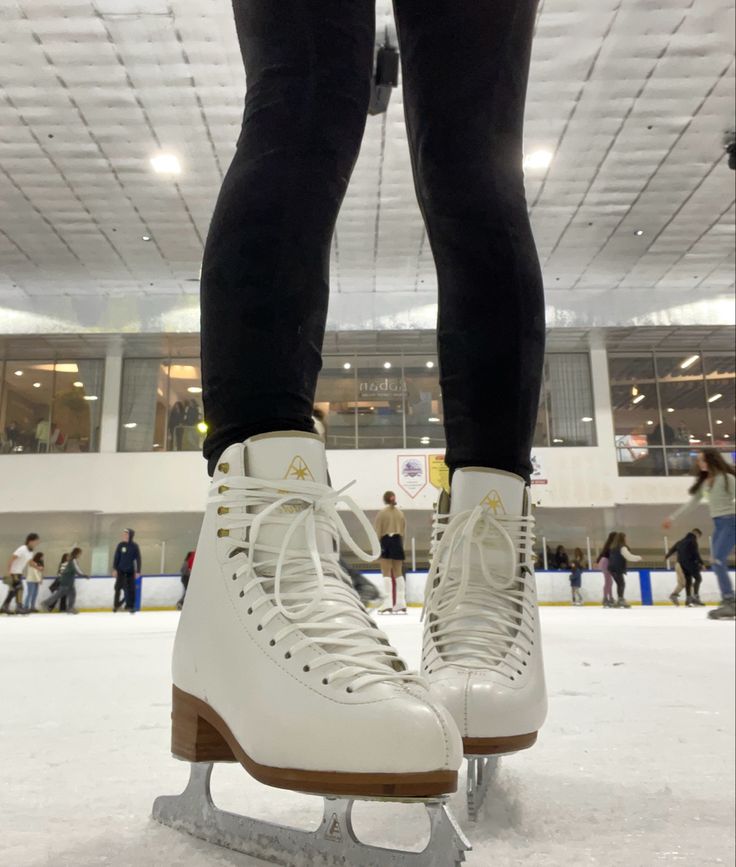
498,746
192,737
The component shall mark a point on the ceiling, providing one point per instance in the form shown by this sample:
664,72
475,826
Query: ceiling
631,96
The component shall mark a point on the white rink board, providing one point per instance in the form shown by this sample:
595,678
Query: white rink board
553,587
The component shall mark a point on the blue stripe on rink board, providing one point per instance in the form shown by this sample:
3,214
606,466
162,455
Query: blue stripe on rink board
645,582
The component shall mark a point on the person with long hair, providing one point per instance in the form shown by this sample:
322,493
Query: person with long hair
716,483
619,556
602,563
34,579
67,579
577,565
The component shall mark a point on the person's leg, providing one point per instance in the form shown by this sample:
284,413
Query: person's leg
697,581
724,540
680,579
389,586
119,597
266,262
71,600
688,583
400,584
465,70
608,585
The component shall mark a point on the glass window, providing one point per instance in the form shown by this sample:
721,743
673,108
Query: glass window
683,407
720,383
185,428
380,403
637,426
569,399
51,406
424,413
336,397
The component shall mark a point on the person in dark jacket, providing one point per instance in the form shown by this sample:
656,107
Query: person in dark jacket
560,559
67,578
688,556
126,567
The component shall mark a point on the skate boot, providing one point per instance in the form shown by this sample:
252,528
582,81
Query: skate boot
482,649
622,603
697,602
276,660
675,599
725,611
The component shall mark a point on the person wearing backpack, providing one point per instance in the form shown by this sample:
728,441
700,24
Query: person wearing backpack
67,579
618,559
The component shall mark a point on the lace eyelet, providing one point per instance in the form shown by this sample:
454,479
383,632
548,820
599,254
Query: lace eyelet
250,611
235,576
306,668
325,682
222,489
287,655
349,690
272,643
221,533
259,628
241,594
222,510
224,467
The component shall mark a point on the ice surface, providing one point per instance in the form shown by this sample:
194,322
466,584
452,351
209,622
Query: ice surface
635,766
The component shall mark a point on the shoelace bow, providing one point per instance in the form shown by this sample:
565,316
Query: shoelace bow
476,612
299,580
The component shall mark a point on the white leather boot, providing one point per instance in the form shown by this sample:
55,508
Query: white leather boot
276,664
482,650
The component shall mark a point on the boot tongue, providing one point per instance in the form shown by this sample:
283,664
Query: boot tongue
293,456
501,492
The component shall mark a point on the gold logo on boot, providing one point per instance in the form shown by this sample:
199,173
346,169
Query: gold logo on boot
299,470
494,502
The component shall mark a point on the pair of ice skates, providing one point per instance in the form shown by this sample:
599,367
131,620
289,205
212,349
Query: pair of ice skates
278,666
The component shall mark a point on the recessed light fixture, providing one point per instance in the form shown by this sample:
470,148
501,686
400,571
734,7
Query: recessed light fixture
649,421
689,361
202,427
726,436
387,365
424,441
130,425
540,159
639,398
195,389
166,164
586,418
347,365
78,384
429,364
37,385
670,409
634,390
18,372
713,398
145,237
694,439
719,421
558,440
639,233
91,397
433,419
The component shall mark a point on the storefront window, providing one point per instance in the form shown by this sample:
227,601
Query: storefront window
381,402
424,413
636,420
337,399
720,383
51,406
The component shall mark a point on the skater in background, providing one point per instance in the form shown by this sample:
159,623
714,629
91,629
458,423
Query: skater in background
67,581
716,482
55,584
679,586
34,579
618,559
602,564
560,559
576,576
390,526
17,564
185,572
690,564
126,568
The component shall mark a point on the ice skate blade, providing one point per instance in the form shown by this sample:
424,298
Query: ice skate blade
199,734
482,771
333,844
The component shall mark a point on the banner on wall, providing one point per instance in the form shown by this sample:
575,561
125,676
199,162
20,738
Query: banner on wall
412,473
538,477
439,473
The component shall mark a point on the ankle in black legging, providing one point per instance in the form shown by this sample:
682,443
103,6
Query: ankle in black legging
265,280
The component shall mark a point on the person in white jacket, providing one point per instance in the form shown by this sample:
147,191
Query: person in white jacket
618,559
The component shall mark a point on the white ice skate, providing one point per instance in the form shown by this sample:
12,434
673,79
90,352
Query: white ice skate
278,666
482,652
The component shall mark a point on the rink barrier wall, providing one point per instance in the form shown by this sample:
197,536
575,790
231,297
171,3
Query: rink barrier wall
643,587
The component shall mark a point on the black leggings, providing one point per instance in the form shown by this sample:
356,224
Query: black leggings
620,580
693,580
265,275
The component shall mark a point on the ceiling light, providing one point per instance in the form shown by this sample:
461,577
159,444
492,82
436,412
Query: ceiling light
670,409
639,398
586,418
37,385
538,159
387,365
715,397
639,233
18,372
429,364
78,384
183,371
347,365
719,421
424,441
709,434
91,397
688,362
433,419
157,445
694,440
558,440
202,427
649,421
634,390
726,436
130,425
195,389
166,164
145,237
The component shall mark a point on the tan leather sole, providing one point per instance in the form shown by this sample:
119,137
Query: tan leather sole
496,746
198,734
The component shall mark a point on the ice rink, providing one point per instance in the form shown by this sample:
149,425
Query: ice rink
635,765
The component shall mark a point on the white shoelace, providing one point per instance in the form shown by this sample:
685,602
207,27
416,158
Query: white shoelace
303,581
476,611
